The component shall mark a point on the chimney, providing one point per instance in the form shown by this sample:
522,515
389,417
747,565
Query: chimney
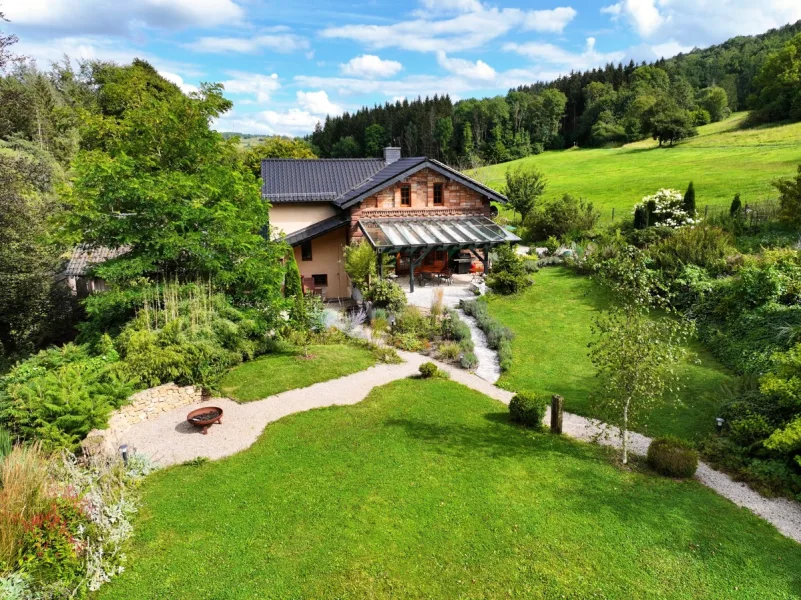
391,154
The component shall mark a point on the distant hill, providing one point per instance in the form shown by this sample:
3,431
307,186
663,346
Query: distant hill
723,160
521,123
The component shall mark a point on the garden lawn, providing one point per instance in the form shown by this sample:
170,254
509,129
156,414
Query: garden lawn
425,490
279,372
723,160
552,324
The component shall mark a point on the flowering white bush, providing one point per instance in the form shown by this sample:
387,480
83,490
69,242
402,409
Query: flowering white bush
667,209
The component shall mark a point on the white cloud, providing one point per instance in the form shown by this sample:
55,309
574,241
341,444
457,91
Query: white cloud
476,71
553,21
186,88
702,22
445,6
114,16
465,31
317,103
260,87
554,55
371,67
99,48
668,49
284,43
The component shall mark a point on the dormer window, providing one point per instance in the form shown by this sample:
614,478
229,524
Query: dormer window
438,194
406,195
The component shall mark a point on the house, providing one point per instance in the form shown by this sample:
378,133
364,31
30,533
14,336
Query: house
82,258
418,210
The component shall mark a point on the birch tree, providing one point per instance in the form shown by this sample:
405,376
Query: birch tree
635,352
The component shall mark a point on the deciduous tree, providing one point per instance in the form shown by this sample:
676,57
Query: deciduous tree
523,188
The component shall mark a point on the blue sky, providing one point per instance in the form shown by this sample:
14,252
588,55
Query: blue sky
288,64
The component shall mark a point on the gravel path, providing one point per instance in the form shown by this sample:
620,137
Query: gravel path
169,439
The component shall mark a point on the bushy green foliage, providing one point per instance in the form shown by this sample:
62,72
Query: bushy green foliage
449,351
508,275
689,200
429,370
790,198
524,188
147,150
703,246
360,264
469,360
736,206
776,96
59,395
385,293
565,217
188,335
673,457
528,409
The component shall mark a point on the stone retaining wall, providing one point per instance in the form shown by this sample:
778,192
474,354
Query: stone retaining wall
144,405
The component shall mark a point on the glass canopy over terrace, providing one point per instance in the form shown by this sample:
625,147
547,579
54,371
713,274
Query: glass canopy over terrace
421,233
417,237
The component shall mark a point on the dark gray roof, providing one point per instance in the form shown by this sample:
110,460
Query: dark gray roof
84,257
318,229
314,180
348,181
405,167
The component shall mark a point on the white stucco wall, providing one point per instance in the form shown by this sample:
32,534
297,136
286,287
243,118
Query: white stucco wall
293,217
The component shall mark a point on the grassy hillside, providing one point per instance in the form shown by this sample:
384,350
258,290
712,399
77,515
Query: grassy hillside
724,159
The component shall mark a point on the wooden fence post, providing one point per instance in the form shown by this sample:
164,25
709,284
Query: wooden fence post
613,214
556,414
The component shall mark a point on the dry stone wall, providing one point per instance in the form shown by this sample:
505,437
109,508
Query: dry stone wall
144,405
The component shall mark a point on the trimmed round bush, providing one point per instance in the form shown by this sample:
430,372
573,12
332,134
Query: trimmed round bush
428,369
673,457
528,410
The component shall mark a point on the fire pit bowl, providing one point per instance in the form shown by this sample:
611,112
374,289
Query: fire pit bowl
205,417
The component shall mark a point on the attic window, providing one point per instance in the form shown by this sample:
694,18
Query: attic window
406,195
438,194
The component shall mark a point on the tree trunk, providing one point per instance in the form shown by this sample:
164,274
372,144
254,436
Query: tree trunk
626,433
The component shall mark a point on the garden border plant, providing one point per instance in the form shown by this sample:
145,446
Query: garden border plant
499,338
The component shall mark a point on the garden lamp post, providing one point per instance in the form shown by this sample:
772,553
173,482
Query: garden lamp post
124,454
719,424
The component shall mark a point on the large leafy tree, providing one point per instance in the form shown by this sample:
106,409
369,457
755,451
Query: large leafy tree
523,188
778,85
276,147
153,177
33,308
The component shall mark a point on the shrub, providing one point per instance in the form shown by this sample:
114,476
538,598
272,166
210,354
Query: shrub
528,410
6,443
563,217
673,457
736,206
360,263
666,208
508,275
429,370
407,341
453,328
703,246
469,360
498,337
552,243
449,351
62,522
59,395
387,294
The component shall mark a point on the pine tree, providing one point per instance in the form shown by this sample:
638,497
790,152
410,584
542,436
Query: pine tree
689,200
736,206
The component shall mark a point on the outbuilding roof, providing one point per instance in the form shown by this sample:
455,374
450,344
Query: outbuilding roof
84,257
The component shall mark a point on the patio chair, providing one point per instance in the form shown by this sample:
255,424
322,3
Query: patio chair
446,275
